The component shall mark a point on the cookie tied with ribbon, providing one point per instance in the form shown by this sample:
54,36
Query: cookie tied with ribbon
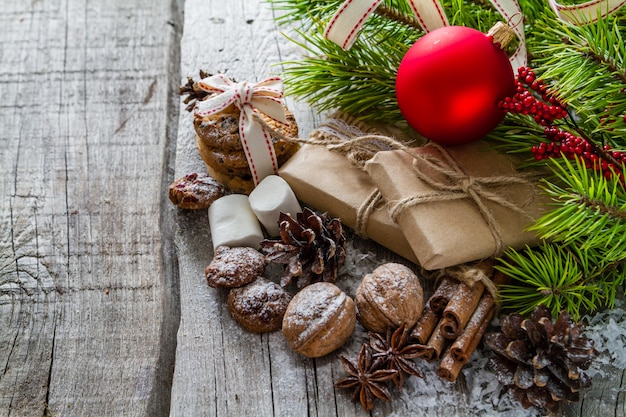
237,124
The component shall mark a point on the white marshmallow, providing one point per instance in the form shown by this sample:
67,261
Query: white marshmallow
233,223
270,197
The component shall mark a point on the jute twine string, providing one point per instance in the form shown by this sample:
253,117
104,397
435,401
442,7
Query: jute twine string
458,185
359,146
471,274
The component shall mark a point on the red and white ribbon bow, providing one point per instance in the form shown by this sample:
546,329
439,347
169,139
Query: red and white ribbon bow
263,97
344,27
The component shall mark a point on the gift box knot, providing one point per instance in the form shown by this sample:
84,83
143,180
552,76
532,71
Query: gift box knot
450,182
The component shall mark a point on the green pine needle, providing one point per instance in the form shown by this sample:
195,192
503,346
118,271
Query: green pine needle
581,266
330,78
586,65
590,210
548,275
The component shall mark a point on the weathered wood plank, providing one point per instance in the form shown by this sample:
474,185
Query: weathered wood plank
220,368
86,306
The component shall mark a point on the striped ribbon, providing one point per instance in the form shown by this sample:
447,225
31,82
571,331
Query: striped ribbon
586,12
344,26
264,97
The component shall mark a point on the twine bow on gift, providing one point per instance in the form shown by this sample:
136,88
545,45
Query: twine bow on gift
251,99
458,185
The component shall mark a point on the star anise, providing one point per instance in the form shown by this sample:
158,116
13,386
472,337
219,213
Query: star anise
398,352
368,377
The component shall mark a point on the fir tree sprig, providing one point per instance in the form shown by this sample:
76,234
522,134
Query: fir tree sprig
590,210
587,65
581,266
550,274
330,78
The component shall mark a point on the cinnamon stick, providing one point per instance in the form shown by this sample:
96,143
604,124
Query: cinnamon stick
442,295
464,345
449,366
437,343
461,350
425,325
449,369
460,308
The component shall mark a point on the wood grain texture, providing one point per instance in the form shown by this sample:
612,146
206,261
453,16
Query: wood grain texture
104,309
85,305
221,369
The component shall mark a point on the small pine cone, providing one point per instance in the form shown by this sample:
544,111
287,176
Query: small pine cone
312,247
192,92
541,362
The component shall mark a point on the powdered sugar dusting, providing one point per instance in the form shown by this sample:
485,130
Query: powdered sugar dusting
234,267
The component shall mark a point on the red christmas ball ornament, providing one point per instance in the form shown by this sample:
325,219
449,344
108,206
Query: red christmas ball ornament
450,81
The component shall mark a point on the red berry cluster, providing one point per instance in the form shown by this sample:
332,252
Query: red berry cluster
573,146
525,102
545,112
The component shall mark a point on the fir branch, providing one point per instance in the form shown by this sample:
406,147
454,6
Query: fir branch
581,264
591,211
550,275
360,81
397,16
587,65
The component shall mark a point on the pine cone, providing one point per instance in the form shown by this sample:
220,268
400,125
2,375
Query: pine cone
541,361
312,247
192,92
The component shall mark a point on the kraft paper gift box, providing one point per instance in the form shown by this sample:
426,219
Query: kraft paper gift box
446,227
327,181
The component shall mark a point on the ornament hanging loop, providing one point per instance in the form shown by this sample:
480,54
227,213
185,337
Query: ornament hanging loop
515,20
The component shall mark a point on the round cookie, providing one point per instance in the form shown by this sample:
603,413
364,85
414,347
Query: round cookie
234,267
221,130
235,163
259,306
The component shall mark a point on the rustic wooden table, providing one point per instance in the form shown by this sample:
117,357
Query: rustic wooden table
104,310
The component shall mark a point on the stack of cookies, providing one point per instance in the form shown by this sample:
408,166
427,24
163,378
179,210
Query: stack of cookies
219,144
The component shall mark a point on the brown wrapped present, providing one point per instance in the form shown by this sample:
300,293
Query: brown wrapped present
328,181
457,204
